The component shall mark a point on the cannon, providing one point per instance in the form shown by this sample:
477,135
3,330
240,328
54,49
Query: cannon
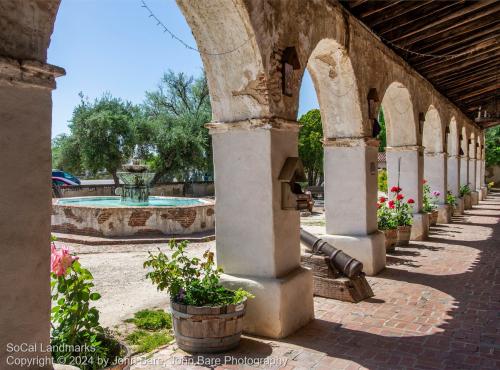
343,277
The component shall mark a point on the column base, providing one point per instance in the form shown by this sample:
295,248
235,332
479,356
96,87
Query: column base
444,214
281,305
484,191
459,208
467,202
368,249
474,195
420,227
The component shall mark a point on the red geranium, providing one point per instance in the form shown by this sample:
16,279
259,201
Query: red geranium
396,189
391,204
382,199
400,196
410,201
424,181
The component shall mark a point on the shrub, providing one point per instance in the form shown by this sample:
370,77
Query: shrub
382,180
152,319
191,281
464,190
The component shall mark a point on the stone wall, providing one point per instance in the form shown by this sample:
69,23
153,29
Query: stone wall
174,189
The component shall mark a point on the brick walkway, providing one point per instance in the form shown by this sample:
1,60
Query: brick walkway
436,306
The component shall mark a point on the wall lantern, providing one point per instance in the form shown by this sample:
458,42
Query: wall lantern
421,120
289,63
477,145
461,152
461,137
469,141
447,131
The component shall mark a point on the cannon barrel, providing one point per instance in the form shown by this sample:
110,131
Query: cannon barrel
338,260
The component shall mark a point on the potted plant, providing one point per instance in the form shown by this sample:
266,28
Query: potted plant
387,224
76,336
429,203
465,193
451,200
207,317
403,215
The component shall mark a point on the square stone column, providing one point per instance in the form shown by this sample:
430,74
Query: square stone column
479,179
464,170
25,208
435,172
257,242
453,175
350,166
405,166
472,181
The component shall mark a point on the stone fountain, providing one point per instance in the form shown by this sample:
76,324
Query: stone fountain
136,180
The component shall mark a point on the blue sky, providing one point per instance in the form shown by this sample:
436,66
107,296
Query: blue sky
112,45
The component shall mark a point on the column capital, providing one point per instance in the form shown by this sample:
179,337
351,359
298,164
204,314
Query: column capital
250,124
405,148
435,154
30,73
348,142
456,156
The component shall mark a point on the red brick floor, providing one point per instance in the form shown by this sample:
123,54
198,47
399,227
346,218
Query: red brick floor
436,306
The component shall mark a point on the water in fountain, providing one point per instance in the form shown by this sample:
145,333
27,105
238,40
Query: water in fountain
136,180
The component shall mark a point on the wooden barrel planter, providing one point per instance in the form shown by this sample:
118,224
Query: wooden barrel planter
208,329
391,238
404,233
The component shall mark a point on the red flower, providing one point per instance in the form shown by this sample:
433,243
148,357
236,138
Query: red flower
400,196
410,201
424,181
396,189
379,205
382,199
391,204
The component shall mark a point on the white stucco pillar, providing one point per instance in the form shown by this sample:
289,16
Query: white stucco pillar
258,242
350,166
25,209
435,172
409,162
479,180
472,181
453,175
464,179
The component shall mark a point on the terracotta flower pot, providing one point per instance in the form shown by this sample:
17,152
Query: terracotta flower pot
208,329
433,217
404,233
391,238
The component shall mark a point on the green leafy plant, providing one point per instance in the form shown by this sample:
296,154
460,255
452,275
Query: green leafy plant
402,210
77,338
429,201
490,184
147,341
451,199
382,180
464,190
386,217
152,319
191,281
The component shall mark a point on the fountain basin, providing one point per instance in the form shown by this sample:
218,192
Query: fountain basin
109,217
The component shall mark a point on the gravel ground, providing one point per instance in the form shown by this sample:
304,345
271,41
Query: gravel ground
120,278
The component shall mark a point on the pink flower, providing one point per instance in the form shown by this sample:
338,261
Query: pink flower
410,201
60,260
436,193
400,196
391,204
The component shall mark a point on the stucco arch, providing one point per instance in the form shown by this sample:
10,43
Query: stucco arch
337,90
432,137
236,80
399,116
453,138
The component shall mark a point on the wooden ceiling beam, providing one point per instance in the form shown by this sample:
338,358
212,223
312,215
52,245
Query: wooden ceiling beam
461,54
450,86
447,9
457,39
487,67
404,8
380,8
460,64
481,85
428,27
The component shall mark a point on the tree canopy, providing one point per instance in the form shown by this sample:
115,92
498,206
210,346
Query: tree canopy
492,142
311,147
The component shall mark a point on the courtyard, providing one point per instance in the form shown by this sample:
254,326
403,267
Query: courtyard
425,314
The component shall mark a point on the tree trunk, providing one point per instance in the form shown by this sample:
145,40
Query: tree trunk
157,177
115,178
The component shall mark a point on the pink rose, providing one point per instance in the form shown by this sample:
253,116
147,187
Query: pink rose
60,260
